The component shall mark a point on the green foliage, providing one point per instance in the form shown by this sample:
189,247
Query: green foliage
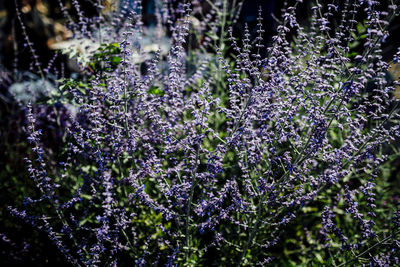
106,58
154,90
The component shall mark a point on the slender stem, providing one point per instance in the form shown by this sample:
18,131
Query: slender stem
125,106
193,185
188,210
28,42
253,232
369,249
224,14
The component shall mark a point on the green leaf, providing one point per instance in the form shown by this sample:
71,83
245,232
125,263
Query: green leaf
154,90
115,60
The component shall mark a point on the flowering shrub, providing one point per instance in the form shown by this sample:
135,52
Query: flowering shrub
169,161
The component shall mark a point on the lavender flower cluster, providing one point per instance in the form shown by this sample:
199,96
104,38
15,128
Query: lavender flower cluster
217,164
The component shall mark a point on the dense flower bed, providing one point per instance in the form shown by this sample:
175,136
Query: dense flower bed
185,143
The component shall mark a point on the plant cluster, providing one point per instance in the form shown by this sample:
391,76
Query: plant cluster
221,149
